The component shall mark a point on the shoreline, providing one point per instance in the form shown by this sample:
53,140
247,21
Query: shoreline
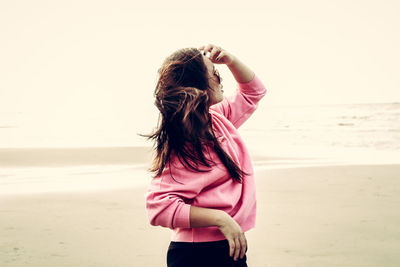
102,186
141,155
99,169
72,156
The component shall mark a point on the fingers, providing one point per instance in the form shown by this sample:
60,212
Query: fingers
240,247
216,54
243,244
237,247
220,55
208,48
215,51
231,247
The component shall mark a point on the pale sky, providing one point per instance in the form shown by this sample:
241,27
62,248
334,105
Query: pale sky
73,60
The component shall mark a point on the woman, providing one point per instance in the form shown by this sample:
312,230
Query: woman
203,188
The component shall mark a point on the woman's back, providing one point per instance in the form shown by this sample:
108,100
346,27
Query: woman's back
170,195
203,203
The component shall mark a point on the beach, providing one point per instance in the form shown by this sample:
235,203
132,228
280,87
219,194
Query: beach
84,82
333,215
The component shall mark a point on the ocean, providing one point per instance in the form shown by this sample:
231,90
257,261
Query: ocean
276,136
372,126
352,133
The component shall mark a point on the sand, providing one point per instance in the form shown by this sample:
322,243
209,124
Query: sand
311,216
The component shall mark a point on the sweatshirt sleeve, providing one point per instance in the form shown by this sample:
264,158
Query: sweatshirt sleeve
168,198
239,107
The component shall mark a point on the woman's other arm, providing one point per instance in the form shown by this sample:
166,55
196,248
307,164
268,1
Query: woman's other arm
166,207
204,217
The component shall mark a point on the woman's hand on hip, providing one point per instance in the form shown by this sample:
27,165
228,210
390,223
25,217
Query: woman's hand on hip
217,54
205,217
235,236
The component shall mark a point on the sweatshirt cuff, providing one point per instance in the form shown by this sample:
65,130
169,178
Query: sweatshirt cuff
255,85
182,217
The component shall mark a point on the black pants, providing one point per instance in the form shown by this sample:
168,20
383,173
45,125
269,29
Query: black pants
204,254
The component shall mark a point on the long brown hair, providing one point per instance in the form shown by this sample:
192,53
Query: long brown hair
184,126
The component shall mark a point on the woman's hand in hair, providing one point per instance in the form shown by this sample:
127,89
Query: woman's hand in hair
240,71
217,55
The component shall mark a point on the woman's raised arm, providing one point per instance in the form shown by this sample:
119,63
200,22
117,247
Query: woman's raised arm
240,106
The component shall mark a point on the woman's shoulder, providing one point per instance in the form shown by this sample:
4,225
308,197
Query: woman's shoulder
221,125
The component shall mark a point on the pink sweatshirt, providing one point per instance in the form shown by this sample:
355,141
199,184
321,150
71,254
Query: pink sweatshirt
168,202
